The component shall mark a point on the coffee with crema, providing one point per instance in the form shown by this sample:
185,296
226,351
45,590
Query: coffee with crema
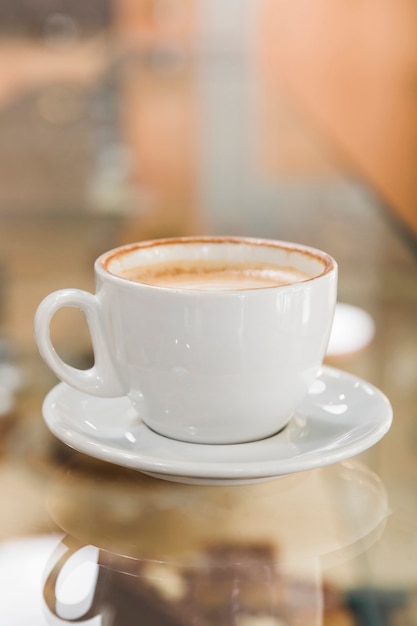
205,275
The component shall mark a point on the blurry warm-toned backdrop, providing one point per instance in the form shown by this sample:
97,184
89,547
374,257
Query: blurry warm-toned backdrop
347,70
352,66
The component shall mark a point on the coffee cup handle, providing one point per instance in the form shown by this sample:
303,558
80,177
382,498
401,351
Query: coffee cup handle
99,380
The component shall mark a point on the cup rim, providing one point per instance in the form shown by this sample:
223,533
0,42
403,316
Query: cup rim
104,260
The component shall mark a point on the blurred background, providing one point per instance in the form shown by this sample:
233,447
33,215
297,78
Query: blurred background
124,120
133,119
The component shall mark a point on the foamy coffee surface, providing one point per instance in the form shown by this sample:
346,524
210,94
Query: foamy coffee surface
214,275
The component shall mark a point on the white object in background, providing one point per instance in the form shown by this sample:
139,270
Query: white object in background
22,562
353,329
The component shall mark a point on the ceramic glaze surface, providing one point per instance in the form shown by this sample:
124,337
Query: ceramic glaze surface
325,429
203,366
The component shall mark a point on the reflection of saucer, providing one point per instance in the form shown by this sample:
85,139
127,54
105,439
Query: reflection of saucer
341,417
194,551
333,512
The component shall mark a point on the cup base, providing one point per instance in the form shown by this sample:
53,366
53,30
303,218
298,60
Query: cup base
219,442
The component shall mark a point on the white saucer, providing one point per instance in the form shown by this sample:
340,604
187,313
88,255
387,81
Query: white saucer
341,417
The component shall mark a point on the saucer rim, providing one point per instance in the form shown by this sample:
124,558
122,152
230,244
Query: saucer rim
175,469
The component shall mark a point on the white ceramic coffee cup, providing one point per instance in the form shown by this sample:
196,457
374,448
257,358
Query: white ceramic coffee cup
206,366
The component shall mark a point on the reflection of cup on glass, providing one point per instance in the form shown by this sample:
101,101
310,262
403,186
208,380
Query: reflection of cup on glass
234,550
236,584
214,340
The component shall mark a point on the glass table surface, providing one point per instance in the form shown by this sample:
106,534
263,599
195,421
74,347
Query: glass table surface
86,541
